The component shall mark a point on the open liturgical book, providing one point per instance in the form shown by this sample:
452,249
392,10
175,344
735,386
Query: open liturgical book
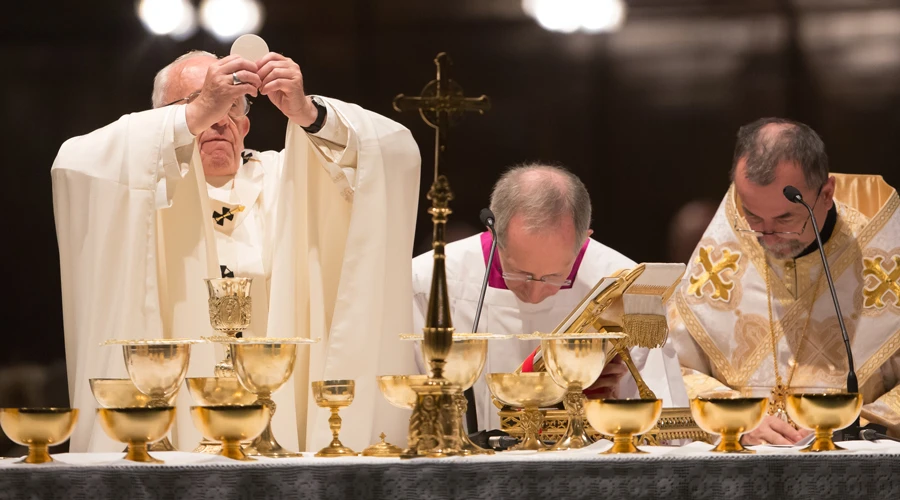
631,302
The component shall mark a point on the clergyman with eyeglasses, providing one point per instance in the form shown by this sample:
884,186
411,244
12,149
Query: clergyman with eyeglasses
546,262
754,314
150,205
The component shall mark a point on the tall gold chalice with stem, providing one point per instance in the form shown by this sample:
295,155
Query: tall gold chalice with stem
230,307
334,395
530,391
574,361
464,365
398,391
263,365
157,368
823,410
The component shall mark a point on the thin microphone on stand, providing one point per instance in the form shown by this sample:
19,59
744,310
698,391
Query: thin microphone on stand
793,195
487,218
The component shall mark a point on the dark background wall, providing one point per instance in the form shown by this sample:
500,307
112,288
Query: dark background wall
646,116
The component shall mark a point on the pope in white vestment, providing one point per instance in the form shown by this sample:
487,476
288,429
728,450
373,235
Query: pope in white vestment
323,227
507,312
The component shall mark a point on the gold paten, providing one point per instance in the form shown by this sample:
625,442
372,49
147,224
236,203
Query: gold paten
38,429
231,424
334,395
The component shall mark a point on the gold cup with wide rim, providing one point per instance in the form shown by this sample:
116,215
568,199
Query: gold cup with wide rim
263,365
136,427
530,391
823,412
334,395
38,429
231,424
398,391
122,393
730,417
216,391
575,361
157,367
623,419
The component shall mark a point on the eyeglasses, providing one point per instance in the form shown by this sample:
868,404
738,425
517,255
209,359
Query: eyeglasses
240,107
737,226
547,280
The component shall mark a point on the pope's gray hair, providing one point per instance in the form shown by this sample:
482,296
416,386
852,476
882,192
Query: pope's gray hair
161,80
542,195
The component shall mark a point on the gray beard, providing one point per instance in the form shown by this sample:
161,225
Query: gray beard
784,250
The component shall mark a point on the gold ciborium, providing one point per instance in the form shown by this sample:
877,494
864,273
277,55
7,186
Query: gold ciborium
574,361
230,424
398,391
823,412
530,391
334,395
263,365
122,393
216,391
137,427
230,307
622,419
38,429
729,417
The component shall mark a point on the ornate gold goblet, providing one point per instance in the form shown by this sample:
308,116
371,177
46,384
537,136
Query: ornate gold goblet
334,395
531,391
263,365
216,391
823,412
398,391
231,424
38,429
137,427
122,393
575,361
230,307
729,417
623,419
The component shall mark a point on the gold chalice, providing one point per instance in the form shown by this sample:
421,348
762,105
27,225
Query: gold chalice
38,429
263,365
464,365
623,419
575,361
122,393
137,427
729,417
397,389
334,394
531,391
231,424
230,306
823,412
156,366
216,391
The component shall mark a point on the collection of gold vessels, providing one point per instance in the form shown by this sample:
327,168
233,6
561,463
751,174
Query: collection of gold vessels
233,409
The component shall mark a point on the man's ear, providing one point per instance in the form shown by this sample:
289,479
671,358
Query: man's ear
828,192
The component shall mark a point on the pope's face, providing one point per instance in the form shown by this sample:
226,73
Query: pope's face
548,254
766,209
220,145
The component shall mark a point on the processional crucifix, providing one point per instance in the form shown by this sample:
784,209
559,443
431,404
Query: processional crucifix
432,429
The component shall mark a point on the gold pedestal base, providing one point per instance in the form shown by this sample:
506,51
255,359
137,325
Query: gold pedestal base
137,452
731,443
434,424
336,449
824,442
38,454
623,444
267,446
232,450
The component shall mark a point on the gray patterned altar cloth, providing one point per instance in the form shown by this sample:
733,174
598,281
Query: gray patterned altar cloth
868,470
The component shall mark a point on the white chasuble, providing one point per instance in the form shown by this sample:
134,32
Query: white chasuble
326,236
720,320
503,313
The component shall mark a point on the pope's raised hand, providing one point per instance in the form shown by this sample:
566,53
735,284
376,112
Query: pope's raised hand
219,92
282,82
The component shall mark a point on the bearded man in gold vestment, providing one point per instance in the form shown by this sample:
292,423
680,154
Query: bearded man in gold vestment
754,313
